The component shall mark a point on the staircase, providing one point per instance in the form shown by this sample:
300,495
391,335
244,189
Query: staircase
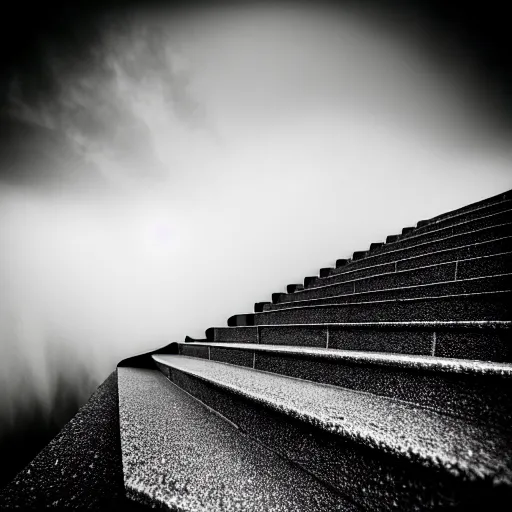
383,383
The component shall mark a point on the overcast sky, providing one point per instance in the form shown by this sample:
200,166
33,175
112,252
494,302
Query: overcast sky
184,167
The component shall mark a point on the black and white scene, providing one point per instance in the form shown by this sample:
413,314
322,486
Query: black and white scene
256,256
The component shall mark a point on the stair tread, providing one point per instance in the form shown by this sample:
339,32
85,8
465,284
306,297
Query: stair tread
397,427
179,454
431,363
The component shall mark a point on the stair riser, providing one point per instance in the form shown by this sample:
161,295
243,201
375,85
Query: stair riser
486,284
464,217
443,231
466,269
426,249
373,479
477,308
478,344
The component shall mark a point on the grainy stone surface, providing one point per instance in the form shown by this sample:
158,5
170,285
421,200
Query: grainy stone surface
466,216
417,248
227,355
491,247
455,386
459,287
194,351
237,334
477,306
406,341
81,467
178,454
504,196
388,428
485,346
308,336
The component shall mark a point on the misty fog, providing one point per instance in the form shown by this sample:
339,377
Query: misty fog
197,163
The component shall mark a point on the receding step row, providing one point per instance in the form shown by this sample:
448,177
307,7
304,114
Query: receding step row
484,211
472,306
499,198
459,253
179,455
485,341
425,249
442,272
385,454
445,229
460,287
473,389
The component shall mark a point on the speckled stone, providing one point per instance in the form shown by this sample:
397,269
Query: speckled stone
385,454
417,248
193,350
459,287
230,356
404,341
478,306
242,334
457,387
486,266
477,250
81,467
179,455
446,271
308,336
484,346
466,216
463,227
504,196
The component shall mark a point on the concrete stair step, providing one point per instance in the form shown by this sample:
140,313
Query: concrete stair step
180,455
462,388
459,287
442,272
386,454
473,306
485,341
487,242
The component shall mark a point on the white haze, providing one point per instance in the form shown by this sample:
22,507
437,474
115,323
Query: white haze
277,140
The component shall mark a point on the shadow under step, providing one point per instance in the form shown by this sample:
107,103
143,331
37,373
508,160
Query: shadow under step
180,455
385,454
